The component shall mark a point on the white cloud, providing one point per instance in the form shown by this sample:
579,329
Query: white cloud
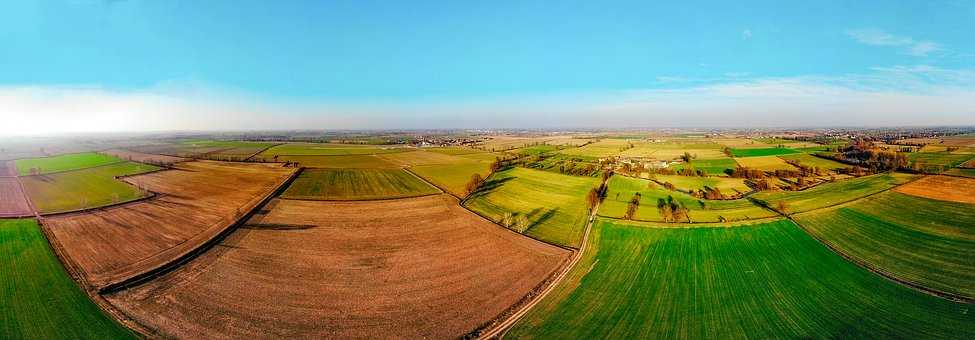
876,37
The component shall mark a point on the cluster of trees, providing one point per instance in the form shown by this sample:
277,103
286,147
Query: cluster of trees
597,194
709,193
34,171
672,210
747,173
632,206
806,170
864,153
761,184
515,221
474,183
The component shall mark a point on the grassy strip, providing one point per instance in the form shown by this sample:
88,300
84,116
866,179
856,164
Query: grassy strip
67,162
755,152
760,281
38,300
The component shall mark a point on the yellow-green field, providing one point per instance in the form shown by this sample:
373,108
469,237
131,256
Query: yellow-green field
622,189
84,189
727,185
452,177
76,161
766,163
810,160
830,194
356,184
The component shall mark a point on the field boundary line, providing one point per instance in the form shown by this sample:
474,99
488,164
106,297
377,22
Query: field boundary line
442,189
262,151
862,264
191,254
498,331
358,200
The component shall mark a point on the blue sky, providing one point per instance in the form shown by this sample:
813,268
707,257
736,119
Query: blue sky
385,64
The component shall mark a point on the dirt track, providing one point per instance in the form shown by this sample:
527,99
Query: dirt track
196,202
407,268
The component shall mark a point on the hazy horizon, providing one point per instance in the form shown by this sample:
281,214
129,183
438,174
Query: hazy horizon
136,66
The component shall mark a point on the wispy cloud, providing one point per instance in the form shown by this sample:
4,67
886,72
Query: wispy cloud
877,37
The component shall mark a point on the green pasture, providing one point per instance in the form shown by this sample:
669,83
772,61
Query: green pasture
622,189
356,184
727,185
810,160
710,166
66,162
755,152
762,281
328,149
84,189
923,241
38,300
554,204
600,149
830,194
452,177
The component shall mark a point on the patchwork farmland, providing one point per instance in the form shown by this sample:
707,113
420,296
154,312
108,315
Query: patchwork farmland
200,238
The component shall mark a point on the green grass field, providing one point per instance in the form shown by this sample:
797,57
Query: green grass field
340,161
727,185
622,189
453,150
919,240
710,166
755,152
747,282
452,177
810,160
950,159
38,300
765,163
64,162
358,184
603,148
326,149
829,194
84,189
554,204
961,172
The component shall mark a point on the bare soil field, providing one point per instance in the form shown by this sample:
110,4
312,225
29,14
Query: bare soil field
407,268
8,168
196,201
142,157
945,188
13,202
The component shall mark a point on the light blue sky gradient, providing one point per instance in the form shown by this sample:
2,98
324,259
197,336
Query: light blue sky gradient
436,59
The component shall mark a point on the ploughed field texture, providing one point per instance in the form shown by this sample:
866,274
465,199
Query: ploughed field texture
13,201
622,189
453,177
197,201
755,152
714,167
67,162
38,300
8,168
356,184
554,205
746,282
412,268
919,240
830,194
943,188
86,188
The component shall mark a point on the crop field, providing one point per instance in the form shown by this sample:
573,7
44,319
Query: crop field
452,177
715,167
413,158
766,163
8,168
142,157
329,149
600,149
480,156
915,239
942,188
554,204
964,172
810,160
622,189
86,188
64,162
340,161
830,194
197,201
739,142
670,151
217,148
453,150
758,281
13,201
411,268
727,185
758,152
537,150
356,184
38,298
939,159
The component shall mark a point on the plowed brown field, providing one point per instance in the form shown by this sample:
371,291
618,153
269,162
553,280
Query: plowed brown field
197,201
408,268
943,188
7,168
144,157
13,202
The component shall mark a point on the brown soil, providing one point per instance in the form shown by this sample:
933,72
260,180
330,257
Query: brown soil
407,268
8,168
145,157
13,202
197,201
945,188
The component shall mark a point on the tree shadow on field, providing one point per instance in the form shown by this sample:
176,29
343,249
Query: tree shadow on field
489,186
547,215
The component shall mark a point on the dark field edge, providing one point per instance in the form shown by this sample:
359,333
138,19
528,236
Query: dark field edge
196,252
862,264
261,151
